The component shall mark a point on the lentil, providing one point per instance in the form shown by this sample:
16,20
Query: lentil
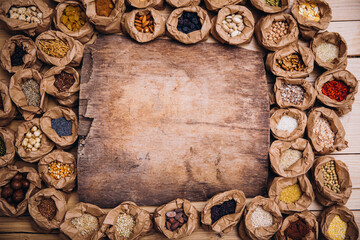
31,90
287,123
62,126
218,211
261,218
86,224
292,93
291,194
189,22
336,90
54,47
337,229
2,147
331,180
324,133
297,230
17,56
233,24
32,139
144,23
73,17
175,219
327,52
104,7
59,170
47,208
273,3
64,81
30,14
310,11
278,30
289,157
292,62
124,225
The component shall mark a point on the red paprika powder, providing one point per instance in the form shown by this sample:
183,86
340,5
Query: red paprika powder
336,90
297,230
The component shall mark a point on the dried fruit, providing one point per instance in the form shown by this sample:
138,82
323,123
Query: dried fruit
73,18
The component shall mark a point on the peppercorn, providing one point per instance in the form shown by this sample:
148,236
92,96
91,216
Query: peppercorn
17,56
336,90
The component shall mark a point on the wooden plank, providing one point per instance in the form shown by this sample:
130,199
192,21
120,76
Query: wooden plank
32,236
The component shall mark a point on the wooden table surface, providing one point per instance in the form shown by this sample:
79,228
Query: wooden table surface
346,21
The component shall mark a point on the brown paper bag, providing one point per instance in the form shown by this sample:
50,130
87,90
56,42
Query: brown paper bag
309,28
9,112
195,36
142,226
32,156
324,195
60,202
6,174
285,135
300,167
70,102
110,24
8,137
66,184
68,97
187,228
55,113
8,49
328,214
45,7
261,233
84,34
336,126
336,39
309,93
307,197
215,5
263,6
73,56
308,217
158,4
18,96
77,211
219,33
183,3
129,25
349,79
305,53
263,27
228,222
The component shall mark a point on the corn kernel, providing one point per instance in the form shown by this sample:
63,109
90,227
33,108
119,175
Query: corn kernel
337,229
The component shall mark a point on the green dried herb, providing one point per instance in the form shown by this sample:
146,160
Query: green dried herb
273,3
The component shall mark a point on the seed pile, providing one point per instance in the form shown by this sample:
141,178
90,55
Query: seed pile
2,147
292,62
336,90
297,230
30,14
322,130
73,17
47,208
310,11
54,47
261,218
218,211
64,81
59,170
327,52
32,139
86,224
189,22
287,123
331,180
289,157
31,90
144,23
15,191
233,24
273,3
104,7
337,229
175,219
292,93
278,30
124,225
17,56
291,194
62,126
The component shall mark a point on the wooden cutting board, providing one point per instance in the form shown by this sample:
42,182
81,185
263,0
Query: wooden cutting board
162,120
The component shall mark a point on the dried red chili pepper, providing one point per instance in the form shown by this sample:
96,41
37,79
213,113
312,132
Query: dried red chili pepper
336,90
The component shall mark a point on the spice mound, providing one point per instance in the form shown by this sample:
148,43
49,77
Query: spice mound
189,22
337,229
30,14
15,191
32,139
327,52
2,147
54,47
310,11
291,194
233,24
325,135
336,90
218,211
17,56
292,62
86,224
59,170
331,180
124,225
73,17
104,7
287,123
289,157
278,30
47,208
292,93
297,230
144,23
261,218
31,90
64,81
62,126
175,219
273,3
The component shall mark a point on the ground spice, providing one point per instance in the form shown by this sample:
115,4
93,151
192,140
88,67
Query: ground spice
104,7
337,229
322,130
124,225
144,23
331,180
47,208
17,56
32,139
86,224
287,123
278,30
291,194
233,24
31,90
189,22
336,90
292,62
292,93
59,170
310,11
218,211
2,147
175,219
297,230
289,157
261,218
62,126
64,81
273,3
327,52
73,17
54,47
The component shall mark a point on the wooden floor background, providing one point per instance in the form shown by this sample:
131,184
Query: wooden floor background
346,21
